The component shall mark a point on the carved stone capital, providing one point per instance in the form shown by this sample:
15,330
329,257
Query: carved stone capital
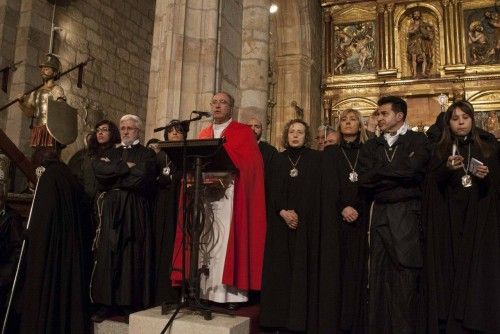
390,7
381,8
445,3
327,17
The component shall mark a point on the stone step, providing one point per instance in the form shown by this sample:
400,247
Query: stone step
151,321
111,327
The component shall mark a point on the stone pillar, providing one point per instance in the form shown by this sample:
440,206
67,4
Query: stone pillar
254,61
182,75
294,84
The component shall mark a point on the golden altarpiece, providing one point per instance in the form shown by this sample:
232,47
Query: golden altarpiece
427,52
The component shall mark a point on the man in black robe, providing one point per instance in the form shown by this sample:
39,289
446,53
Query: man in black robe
268,151
392,167
121,280
57,258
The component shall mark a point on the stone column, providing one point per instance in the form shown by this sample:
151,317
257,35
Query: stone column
254,60
182,75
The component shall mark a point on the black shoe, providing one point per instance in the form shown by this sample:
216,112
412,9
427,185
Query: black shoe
232,306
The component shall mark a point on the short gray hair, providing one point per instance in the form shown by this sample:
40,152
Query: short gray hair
135,118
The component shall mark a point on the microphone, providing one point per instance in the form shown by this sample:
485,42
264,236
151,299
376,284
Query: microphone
202,113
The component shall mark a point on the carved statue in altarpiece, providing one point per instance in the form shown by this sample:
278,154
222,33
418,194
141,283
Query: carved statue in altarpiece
421,36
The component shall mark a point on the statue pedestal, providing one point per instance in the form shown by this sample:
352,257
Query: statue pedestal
186,322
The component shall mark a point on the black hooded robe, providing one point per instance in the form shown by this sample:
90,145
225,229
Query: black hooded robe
463,246
290,273
55,291
122,273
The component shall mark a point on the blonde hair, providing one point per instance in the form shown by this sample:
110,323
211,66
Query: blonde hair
363,137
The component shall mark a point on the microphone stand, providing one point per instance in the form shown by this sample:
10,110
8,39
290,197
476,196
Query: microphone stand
189,300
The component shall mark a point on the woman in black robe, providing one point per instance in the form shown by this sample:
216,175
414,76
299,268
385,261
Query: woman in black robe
290,273
165,209
460,209
104,137
341,162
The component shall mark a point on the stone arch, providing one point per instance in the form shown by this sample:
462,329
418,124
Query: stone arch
487,100
364,105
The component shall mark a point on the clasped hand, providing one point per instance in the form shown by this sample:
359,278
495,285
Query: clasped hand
455,162
291,218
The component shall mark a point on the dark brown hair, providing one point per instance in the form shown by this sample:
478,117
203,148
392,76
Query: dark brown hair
94,148
445,144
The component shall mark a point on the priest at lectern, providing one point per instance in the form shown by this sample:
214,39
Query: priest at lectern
232,244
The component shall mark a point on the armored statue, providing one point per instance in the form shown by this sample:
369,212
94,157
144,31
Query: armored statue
36,105
421,36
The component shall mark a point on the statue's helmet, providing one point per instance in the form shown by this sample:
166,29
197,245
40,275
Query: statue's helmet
51,60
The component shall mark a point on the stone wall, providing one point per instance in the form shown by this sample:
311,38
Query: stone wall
9,16
117,33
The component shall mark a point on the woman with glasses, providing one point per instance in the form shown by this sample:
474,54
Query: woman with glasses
105,136
460,209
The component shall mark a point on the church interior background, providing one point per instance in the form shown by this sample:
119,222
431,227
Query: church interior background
310,59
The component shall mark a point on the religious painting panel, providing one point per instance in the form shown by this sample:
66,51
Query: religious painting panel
354,48
482,31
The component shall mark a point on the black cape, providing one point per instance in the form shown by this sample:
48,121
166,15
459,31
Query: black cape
123,255
353,238
463,244
290,273
165,209
55,291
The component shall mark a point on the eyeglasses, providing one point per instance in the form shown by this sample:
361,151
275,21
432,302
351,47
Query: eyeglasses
213,102
101,130
128,128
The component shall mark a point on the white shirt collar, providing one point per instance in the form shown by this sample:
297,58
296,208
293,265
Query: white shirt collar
219,128
391,139
130,146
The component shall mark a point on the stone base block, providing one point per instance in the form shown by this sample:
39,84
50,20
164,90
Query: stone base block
186,322
110,327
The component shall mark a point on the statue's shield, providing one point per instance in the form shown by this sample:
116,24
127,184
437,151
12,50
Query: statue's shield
62,122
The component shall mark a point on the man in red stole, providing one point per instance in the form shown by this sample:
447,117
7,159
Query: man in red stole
235,261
